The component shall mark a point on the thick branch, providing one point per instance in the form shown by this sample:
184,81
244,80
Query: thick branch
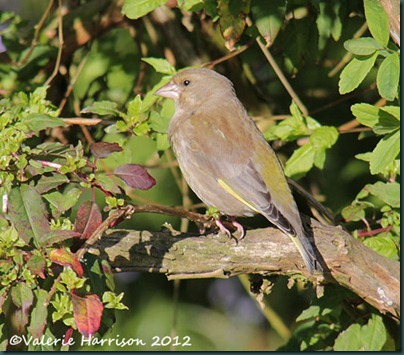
348,262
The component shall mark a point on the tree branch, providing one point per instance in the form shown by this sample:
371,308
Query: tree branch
347,261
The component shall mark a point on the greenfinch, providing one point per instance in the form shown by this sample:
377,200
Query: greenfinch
224,157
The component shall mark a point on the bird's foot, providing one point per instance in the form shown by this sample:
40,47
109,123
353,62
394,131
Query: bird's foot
222,228
235,224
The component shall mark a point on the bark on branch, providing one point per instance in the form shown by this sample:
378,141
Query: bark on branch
347,261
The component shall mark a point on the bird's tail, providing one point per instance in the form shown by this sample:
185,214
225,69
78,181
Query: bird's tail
306,250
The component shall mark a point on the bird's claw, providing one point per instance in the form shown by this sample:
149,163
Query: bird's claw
235,224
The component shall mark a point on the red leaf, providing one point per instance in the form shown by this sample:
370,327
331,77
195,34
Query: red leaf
87,313
135,176
102,150
88,219
65,257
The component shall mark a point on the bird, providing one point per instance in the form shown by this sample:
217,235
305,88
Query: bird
225,158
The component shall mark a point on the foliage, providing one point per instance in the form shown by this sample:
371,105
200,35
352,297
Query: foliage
59,181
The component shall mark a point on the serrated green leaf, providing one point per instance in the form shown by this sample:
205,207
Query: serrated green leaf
160,65
388,192
388,77
362,46
102,108
377,21
355,72
134,9
385,152
366,114
39,121
392,110
324,137
349,339
386,124
369,337
301,161
383,245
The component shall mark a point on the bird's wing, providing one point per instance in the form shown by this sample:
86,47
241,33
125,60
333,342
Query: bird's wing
229,153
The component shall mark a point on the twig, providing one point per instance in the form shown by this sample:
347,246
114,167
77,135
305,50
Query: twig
60,48
105,225
227,56
82,121
37,30
72,82
280,74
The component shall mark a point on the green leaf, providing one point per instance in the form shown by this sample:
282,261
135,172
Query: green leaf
366,114
353,213
232,20
138,8
162,142
377,21
23,298
102,108
39,314
27,211
388,77
62,202
388,192
39,121
362,46
369,337
190,5
355,72
387,123
268,17
301,161
383,120
135,109
392,110
383,245
329,21
324,137
46,183
160,65
385,152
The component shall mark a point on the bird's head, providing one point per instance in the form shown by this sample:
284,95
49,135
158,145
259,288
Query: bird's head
192,86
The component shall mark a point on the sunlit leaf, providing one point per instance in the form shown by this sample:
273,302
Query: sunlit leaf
65,257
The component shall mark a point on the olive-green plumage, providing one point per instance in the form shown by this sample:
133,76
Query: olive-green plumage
225,158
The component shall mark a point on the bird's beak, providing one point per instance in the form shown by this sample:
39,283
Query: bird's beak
169,90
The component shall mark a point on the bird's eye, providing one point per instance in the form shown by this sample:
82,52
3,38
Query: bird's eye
186,82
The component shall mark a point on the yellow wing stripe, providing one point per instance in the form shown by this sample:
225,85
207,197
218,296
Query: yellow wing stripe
228,189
